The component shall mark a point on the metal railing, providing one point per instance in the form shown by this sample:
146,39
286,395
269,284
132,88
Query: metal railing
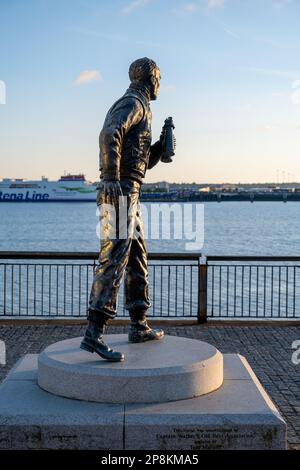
182,285
57,285
253,287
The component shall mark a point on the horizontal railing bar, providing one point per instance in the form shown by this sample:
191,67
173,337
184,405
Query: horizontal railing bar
47,255
64,265
252,258
89,255
174,256
231,265
46,264
151,255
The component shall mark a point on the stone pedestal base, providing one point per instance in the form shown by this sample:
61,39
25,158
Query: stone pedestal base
155,371
238,415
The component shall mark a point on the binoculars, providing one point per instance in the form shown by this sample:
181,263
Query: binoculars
168,141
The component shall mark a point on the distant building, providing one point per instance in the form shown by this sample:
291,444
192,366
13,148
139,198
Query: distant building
206,189
161,186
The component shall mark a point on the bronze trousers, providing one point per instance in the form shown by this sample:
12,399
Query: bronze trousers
122,252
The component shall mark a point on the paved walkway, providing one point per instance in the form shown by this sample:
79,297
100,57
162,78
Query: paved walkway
267,349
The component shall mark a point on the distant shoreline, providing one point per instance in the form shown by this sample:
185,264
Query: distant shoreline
164,197
164,200
279,197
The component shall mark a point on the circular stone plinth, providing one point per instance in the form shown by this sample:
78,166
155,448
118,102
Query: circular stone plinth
170,369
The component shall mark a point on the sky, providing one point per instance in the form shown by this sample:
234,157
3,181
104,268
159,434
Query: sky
230,80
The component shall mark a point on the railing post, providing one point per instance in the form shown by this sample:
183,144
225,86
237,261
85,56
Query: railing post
202,290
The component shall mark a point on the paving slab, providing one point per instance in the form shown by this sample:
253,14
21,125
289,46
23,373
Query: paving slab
31,418
239,415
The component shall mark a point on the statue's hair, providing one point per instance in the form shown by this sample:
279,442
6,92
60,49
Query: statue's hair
141,69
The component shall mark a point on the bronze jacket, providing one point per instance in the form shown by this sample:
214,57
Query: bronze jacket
125,139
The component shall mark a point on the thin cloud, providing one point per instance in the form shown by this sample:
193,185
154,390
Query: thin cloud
292,74
168,88
115,37
230,33
224,27
266,128
186,9
281,3
277,94
220,3
192,7
295,96
87,76
2,92
134,6
242,34
215,3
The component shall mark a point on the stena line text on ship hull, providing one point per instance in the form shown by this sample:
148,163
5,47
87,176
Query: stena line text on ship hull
24,196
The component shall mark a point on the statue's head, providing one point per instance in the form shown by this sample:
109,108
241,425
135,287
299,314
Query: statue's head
145,72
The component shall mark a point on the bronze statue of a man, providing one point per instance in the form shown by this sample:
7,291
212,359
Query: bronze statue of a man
125,155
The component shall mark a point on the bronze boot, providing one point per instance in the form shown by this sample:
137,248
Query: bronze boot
140,331
93,342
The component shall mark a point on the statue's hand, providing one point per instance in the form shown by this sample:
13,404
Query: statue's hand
111,191
174,142
162,137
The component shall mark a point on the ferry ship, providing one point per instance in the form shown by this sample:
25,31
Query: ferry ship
72,188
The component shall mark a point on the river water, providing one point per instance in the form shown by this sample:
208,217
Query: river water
230,228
